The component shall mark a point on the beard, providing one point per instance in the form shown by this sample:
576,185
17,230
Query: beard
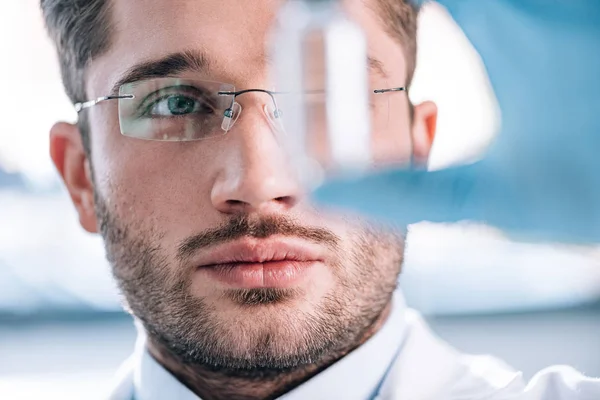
268,334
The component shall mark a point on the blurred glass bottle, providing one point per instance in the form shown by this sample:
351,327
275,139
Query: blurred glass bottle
320,70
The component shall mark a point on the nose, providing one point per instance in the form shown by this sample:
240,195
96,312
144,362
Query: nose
255,175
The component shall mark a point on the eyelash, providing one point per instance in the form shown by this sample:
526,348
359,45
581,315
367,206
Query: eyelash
144,108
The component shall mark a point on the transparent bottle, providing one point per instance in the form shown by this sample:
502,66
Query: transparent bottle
320,68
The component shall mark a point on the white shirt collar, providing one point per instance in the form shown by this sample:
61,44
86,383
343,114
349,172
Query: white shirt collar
356,376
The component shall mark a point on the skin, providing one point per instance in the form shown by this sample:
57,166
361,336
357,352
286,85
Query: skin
147,199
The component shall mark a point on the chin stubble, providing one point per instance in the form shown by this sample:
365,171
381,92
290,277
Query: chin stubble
190,329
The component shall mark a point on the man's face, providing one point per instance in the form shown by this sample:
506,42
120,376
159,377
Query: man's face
213,242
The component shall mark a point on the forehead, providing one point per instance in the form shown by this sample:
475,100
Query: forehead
232,33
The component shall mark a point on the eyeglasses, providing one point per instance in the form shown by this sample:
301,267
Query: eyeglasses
177,109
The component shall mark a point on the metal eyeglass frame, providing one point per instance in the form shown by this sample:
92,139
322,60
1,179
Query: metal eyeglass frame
90,103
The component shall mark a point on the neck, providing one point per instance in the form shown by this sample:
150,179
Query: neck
215,385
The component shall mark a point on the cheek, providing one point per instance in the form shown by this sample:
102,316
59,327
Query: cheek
156,185
391,139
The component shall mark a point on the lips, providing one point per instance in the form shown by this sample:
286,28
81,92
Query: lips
251,263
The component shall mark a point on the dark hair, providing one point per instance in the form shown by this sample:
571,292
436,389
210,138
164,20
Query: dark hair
81,31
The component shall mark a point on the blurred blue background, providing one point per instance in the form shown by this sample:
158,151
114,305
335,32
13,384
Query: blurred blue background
62,331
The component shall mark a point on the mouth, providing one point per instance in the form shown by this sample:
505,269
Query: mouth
249,263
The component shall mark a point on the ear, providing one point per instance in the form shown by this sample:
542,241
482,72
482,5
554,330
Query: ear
423,131
73,165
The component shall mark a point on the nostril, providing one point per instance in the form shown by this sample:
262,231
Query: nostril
234,202
287,201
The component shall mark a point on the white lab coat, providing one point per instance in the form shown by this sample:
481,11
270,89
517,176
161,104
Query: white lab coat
427,368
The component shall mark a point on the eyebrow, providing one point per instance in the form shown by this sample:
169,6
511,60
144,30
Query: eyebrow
172,64
377,66
192,60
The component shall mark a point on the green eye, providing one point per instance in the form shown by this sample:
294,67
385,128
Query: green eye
181,105
177,101
177,105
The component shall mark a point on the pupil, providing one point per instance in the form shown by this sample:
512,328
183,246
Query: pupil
181,105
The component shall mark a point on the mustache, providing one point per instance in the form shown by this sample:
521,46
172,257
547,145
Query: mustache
261,228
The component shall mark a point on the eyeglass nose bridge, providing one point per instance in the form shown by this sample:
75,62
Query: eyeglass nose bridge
231,114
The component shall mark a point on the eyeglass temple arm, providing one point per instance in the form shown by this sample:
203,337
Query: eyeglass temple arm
397,89
91,103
